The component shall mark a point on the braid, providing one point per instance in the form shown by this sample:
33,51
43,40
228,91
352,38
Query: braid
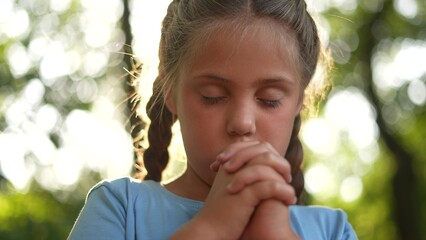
294,155
156,155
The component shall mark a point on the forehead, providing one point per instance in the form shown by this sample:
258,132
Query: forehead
243,58
270,35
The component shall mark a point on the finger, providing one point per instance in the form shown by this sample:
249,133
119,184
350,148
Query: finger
265,190
262,153
278,163
215,166
252,174
228,152
232,149
241,156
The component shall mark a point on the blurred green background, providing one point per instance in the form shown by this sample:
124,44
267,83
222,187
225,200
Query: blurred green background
64,123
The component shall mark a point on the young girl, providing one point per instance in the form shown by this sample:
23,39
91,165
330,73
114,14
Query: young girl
233,72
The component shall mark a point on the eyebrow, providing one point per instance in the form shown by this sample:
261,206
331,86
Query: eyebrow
274,80
265,81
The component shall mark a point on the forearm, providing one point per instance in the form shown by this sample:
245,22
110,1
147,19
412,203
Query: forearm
200,228
271,220
193,230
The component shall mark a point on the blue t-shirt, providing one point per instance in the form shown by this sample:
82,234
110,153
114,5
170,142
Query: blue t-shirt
131,209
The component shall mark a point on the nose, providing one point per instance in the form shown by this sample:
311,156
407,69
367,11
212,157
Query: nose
241,121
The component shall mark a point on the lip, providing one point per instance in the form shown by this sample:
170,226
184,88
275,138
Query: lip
245,139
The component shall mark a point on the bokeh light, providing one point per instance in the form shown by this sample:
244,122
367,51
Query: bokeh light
18,59
348,123
351,188
70,52
403,64
407,8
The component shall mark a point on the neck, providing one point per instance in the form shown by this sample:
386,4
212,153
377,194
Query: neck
189,185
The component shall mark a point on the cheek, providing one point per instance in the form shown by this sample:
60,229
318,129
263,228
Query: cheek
198,125
279,133
281,142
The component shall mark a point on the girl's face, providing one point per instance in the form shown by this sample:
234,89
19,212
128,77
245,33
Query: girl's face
236,89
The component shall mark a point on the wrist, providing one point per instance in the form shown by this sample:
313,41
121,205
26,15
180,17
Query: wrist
271,220
197,228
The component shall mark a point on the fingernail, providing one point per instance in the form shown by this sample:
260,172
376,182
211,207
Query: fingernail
222,157
230,187
214,165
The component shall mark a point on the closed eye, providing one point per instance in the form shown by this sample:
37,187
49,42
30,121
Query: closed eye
212,100
270,103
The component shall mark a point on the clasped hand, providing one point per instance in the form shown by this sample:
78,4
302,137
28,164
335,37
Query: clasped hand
250,195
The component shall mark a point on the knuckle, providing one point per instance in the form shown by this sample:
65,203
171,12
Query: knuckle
269,156
275,187
265,145
259,170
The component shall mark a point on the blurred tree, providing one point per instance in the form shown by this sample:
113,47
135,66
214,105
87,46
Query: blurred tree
364,37
58,61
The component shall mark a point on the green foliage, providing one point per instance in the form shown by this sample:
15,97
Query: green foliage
36,215
356,37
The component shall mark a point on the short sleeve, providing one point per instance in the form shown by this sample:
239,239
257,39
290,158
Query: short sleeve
321,223
104,214
348,232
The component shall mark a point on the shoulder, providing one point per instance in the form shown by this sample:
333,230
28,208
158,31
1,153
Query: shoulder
123,184
123,189
110,208
318,213
315,222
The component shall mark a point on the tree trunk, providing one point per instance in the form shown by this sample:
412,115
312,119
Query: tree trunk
404,182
